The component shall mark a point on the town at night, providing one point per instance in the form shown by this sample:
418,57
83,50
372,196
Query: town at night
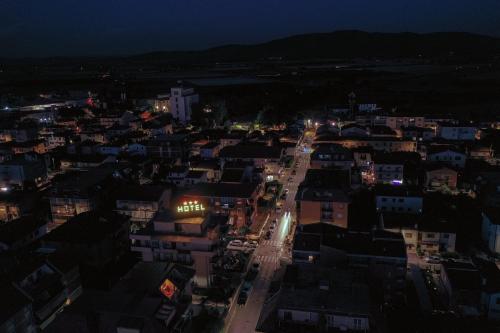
240,167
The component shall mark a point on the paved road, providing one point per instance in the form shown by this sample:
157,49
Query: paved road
242,319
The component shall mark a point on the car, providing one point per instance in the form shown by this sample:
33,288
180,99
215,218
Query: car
242,298
255,266
290,179
432,260
267,235
278,209
236,242
250,244
287,190
294,172
272,227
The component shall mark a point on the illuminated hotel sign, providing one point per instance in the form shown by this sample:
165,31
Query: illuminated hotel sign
190,206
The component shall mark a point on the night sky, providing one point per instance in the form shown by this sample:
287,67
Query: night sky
106,27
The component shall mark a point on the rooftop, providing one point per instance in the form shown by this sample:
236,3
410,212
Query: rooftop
87,227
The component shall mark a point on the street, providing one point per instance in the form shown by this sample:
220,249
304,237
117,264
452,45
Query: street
269,253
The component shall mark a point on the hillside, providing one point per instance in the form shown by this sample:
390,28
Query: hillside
345,44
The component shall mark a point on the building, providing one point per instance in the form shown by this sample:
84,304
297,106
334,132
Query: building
181,103
210,150
151,297
172,146
332,156
323,298
267,157
398,199
96,238
462,282
447,155
418,133
237,201
22,173
380,254
141,202
187,236
387,144
427,234
457,132
397,122
321,204
490,229
21,232
79,192
439,176
16,310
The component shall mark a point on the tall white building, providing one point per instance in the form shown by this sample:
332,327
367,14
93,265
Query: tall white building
181,101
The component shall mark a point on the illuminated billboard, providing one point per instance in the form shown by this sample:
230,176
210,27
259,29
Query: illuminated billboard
168,288
190,207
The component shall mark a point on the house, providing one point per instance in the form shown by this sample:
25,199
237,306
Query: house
48,285
354,130
151,297
396,122
331,156
22,173
385,143
381,131
189,236
16,310
328,206
438,176
310,293
267,157
462,282
490,293
84,161
490,229
237,201
112,148
395,168
15,204
80,192
21,232
418,133
363,156
96,238
141,202
398,199
457,132
211,167
428,234
194,177
210,150
381,255
177,174
447,155
174,146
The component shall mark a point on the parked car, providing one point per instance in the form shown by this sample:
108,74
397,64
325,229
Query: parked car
242,298
267,235
251,244
236,242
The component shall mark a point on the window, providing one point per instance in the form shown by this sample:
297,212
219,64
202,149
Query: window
287,315
384,199
357,323
408,235
401,200
430,235
446,236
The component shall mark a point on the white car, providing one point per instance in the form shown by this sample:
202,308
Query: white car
236,242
